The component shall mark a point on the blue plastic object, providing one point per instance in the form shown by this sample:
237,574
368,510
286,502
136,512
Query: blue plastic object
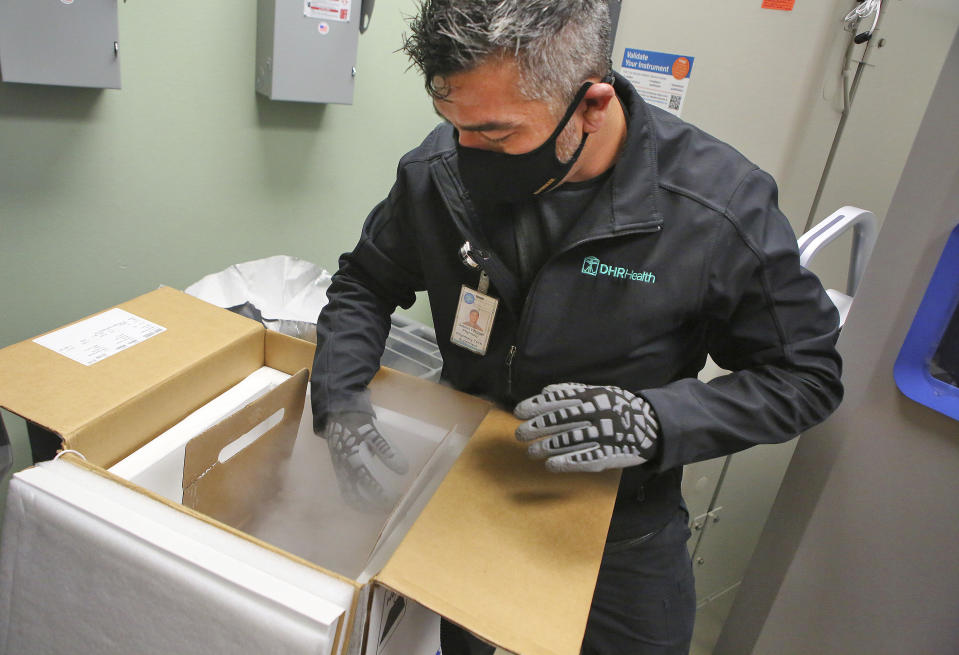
927,369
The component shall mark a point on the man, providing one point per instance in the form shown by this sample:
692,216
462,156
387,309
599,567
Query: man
552,191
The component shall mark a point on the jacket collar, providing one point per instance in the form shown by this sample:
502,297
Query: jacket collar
636,175
632,194
627,202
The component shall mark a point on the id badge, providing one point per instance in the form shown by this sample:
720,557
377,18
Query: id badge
474,320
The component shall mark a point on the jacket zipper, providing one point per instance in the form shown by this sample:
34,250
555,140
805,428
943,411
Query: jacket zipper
509,370
524,314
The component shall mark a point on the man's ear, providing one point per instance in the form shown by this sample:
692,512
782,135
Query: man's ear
596,101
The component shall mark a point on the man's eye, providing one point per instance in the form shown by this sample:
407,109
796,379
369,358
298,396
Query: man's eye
496,139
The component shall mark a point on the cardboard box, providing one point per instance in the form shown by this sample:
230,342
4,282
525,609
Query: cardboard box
503,548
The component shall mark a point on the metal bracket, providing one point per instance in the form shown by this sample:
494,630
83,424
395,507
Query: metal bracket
699,523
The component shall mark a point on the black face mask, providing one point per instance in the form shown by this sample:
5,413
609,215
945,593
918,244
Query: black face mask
496,177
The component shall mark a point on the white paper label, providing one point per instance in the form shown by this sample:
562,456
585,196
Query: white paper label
100,336
338,10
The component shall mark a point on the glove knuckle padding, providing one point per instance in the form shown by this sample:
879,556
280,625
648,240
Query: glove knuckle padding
590,428
390,456
552,397
560,444
358,485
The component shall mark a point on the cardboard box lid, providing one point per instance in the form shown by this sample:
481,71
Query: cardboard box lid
507,548
73,399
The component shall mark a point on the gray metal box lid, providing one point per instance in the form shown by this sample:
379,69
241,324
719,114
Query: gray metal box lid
60,42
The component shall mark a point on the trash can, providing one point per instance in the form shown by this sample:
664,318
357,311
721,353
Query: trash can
286,295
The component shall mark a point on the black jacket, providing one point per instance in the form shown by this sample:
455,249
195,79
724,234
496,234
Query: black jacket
683,253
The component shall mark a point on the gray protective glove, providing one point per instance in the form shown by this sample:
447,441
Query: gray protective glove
354,440
581,427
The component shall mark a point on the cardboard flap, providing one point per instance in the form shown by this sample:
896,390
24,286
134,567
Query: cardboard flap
67,397
508,548
286,353
234,466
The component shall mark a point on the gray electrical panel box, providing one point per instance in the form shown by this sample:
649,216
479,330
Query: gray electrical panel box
306,49
60,42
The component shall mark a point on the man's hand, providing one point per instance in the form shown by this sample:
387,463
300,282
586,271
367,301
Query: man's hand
353,441
587,428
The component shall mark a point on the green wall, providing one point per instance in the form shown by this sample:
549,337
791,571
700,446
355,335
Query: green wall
105,195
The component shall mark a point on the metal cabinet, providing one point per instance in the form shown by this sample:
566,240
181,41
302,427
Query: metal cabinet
60,42
306,50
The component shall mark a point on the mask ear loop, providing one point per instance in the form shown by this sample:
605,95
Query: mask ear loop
573,106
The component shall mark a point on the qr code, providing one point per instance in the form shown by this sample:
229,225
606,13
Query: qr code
674,101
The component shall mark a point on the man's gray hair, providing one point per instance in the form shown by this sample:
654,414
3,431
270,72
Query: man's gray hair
556,44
